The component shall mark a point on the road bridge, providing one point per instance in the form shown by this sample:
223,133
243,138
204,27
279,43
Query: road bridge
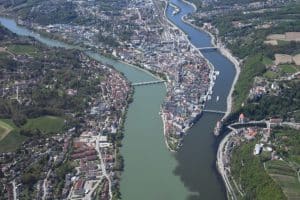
148,83
207,48
214,111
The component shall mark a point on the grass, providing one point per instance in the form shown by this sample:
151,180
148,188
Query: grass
5,129
271,75
287,68
267,61
286,177
23,49
3,55
11,141
283,42
46,124
288,144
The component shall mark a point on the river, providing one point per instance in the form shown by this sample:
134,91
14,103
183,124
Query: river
151,171
197,159
149,166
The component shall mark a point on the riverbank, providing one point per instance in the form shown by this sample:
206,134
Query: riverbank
191,4
194,48
225,52
221,154
162,115
143,128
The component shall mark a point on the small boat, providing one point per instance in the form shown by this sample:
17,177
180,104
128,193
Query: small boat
217,128
208,97
217,99
175,11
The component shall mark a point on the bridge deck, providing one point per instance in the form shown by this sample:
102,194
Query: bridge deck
214,111
207,48
147,83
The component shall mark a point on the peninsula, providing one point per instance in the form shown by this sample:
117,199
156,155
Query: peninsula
151,42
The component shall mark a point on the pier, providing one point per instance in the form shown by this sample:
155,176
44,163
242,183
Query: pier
148,83
214,111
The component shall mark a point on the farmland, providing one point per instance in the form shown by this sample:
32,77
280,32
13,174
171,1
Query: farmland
285,176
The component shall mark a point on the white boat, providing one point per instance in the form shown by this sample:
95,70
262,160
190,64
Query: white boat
175,11
217,128
217,99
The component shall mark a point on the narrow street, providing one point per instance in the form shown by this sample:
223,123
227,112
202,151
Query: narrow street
14,189
45,185
103,166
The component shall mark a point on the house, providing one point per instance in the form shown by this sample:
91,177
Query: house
79,187
257,149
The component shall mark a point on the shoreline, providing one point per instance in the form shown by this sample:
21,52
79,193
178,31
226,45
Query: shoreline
162,115
141,69
194,48
70,45
225,52
220,164
190,3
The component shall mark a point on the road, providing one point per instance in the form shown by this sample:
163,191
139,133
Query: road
222,169
45,185
14,189
103,166
92,189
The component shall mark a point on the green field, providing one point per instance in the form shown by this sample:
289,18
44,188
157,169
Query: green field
288,68
46,124
271,75
267,61
4,129
12,140
286,177
23,49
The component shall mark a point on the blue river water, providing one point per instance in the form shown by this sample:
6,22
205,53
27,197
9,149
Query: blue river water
197,159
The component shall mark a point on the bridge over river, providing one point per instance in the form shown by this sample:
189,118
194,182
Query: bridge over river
207,48
148,83
214,111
